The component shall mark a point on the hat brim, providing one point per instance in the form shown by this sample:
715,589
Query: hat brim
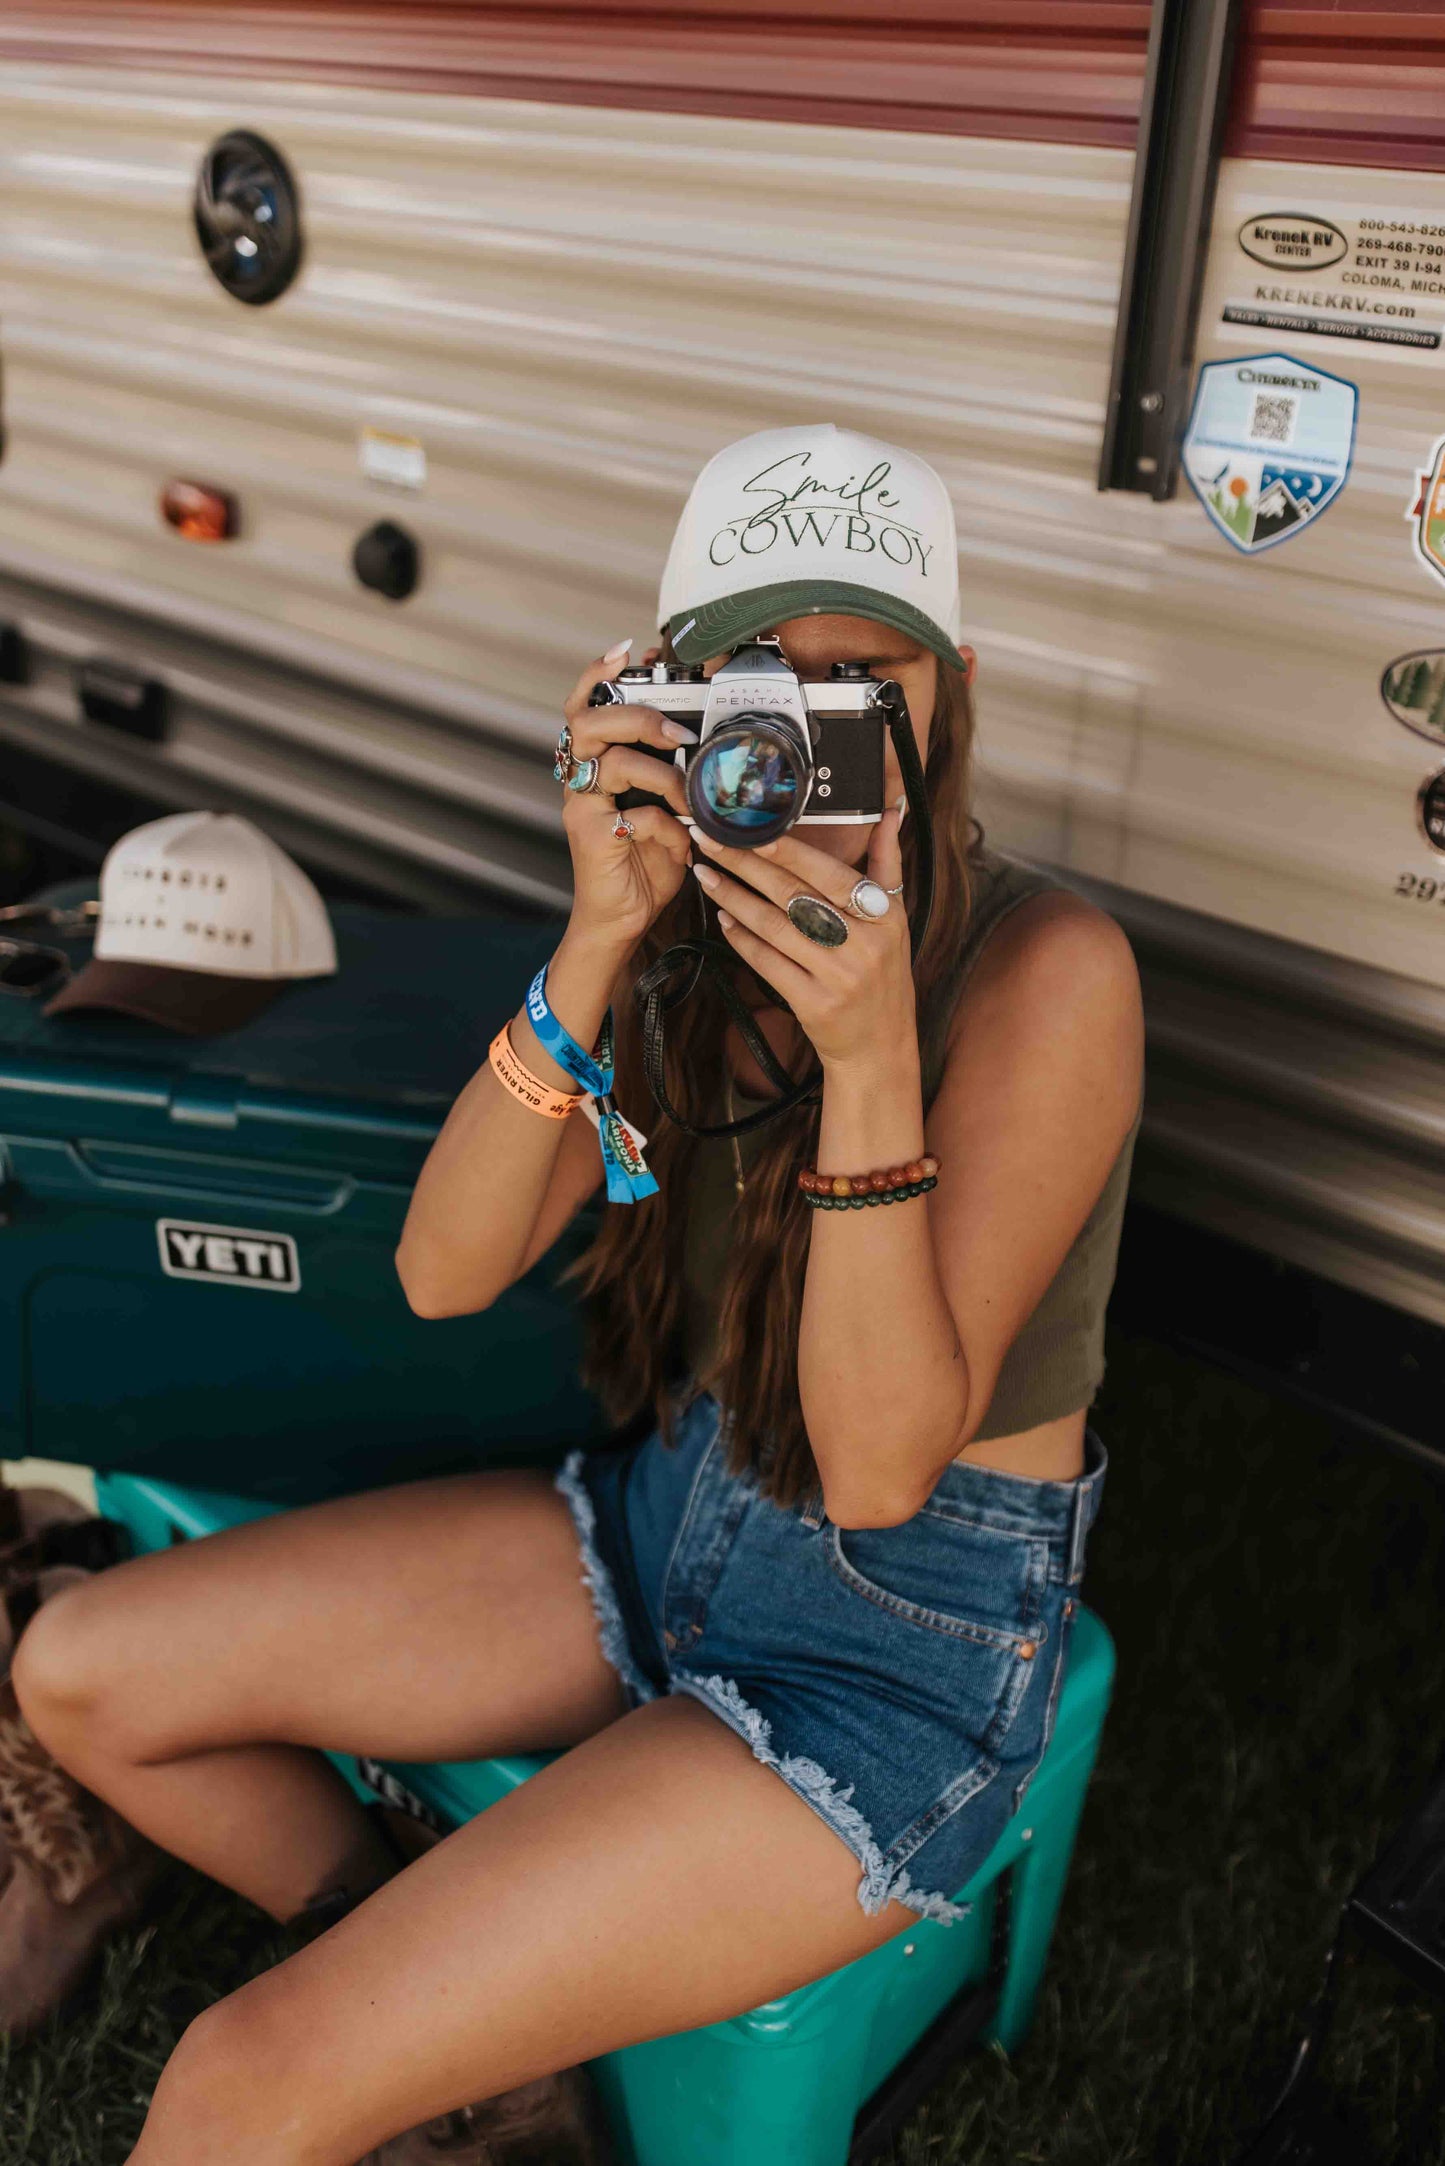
201,1003
714,627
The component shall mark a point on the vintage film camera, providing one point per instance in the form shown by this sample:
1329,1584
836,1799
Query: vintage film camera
772,752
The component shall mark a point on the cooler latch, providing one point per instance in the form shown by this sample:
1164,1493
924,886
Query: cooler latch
205,1102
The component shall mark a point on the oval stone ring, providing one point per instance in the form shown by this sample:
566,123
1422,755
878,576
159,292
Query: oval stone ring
818,921
869,900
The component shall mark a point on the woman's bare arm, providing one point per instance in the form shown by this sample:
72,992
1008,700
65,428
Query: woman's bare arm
909,1308
501,1182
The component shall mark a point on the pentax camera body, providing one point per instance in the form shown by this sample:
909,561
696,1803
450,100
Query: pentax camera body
772,752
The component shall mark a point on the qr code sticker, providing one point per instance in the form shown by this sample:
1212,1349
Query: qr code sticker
1273,418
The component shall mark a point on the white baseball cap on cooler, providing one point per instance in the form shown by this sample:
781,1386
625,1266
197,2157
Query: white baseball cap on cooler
809,521
203,919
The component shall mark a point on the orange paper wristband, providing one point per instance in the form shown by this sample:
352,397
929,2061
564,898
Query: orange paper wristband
539,1097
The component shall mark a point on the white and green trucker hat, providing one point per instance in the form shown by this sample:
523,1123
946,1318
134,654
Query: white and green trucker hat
810,521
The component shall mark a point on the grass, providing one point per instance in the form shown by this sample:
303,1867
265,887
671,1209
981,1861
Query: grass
1273,1590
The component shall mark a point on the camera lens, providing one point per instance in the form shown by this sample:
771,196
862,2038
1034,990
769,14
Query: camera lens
749,781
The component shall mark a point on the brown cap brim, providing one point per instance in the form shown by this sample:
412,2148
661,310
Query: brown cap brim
199,1002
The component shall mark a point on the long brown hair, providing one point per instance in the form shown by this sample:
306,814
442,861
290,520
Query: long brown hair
633,1271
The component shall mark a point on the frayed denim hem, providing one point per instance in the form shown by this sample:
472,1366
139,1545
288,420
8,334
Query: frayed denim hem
881,1883
598,1580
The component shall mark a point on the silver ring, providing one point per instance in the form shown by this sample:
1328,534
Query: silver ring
869,900
894,890
564,766
586,778
622,828
818,921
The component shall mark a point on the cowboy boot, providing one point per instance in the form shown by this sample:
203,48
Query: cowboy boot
24,1512
42,1527
556,2121
77,1871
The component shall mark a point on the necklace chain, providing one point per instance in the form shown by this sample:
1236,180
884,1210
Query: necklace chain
739,1177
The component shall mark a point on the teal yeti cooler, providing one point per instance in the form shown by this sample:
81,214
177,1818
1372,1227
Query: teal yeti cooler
197,1274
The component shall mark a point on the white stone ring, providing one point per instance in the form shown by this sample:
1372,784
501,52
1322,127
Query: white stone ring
869,900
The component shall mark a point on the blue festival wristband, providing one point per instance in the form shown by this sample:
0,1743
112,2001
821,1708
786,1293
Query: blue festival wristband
628,1179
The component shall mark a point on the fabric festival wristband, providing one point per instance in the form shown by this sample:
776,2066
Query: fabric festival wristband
537,1096
628,1180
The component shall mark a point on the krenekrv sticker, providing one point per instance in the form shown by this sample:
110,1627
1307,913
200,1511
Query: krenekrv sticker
1268,446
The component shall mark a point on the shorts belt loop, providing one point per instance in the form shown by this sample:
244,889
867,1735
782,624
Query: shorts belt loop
1084,1511
1078,1531
811,1512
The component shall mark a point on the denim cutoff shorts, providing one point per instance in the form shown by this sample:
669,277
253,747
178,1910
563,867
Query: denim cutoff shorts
902,1680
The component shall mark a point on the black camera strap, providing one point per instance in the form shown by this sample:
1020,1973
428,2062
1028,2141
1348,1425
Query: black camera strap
702,957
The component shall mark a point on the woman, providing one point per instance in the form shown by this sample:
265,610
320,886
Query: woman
810,1661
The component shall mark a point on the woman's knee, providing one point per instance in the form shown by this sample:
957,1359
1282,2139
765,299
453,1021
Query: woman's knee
237,2085
72,1675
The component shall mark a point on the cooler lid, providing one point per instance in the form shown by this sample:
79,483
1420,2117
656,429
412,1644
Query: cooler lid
400,1027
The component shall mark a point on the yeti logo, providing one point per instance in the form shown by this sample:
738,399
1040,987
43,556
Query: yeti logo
228,1255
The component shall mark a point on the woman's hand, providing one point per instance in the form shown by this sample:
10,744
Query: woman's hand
855,1001
620,883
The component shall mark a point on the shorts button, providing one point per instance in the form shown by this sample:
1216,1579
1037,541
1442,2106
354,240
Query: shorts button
669,1639
1027,1650
1069,1608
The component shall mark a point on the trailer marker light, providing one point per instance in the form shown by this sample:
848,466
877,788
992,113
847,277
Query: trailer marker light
199,514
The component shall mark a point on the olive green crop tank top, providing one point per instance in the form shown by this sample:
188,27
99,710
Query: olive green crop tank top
1056,1363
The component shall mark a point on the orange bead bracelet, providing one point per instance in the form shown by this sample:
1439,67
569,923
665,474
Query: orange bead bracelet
854,1191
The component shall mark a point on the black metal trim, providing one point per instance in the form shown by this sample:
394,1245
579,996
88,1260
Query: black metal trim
1181,122
1365,1364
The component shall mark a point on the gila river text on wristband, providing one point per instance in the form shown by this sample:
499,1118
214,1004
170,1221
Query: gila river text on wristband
855,1191
537,1096
628,1179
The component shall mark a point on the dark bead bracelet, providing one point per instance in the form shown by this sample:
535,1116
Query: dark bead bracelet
852,1191
874,1195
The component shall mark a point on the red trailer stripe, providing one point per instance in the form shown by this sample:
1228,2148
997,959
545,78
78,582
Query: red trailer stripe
1355,83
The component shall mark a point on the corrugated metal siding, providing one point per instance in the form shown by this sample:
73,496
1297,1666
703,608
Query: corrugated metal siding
1064,70
1354,83
572,309
571,316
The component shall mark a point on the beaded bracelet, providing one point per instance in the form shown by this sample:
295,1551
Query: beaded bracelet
850,1192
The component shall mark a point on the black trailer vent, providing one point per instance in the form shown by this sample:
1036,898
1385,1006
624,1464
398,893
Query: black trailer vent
248,217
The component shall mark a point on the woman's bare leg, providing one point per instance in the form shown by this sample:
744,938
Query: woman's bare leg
439,1620
655,1878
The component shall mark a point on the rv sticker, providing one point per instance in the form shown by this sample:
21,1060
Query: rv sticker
1430,810
1268,446
397,462
1377,277
1427,511
1292,241
1413,689
228,1255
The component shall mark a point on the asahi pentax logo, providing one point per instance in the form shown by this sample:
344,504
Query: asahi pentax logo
228,1255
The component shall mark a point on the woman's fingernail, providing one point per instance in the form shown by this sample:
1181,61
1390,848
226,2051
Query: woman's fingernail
766,849
677,733
706,875
705,841
725,921
615,654
902,810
